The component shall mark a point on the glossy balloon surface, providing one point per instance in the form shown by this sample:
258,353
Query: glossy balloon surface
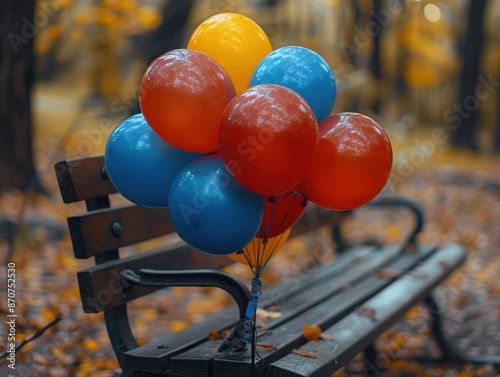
268,138
302,70
141,165
182,96
235,41
260,251
353,163
211,211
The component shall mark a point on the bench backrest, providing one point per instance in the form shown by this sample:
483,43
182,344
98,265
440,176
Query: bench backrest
103,229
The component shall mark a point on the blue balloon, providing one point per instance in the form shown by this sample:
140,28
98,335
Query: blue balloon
211,211
303,71
141,165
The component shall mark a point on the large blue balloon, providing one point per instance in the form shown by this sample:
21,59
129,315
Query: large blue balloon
303,71
211,211
141,165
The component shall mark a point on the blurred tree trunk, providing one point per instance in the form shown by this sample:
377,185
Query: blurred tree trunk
17,31
171,34
464,132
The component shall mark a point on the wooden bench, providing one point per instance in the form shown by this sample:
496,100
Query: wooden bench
353,299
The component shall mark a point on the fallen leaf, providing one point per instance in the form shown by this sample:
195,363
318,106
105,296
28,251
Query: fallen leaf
304,353
365,311
324,336
268,314
311,332
214,335
388,273
444,265
266,346
179,325
91,345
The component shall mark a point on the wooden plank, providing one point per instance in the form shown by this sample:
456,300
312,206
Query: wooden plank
101,286
149,358
356,331
107,229
288,335
82,178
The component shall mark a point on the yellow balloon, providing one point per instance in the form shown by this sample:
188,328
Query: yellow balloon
259,251
234,41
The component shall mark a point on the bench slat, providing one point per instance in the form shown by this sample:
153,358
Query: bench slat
288,335
152,359
107,229
357,331
81,179
348,269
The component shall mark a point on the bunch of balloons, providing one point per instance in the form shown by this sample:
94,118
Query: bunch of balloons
235,139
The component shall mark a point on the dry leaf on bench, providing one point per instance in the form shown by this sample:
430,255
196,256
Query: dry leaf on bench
365,311
214,335
304,353
266,346
311,332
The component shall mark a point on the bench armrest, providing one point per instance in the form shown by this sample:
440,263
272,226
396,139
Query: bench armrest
413,207
199,278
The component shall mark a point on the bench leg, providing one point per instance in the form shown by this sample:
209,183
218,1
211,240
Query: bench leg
450,352
373,367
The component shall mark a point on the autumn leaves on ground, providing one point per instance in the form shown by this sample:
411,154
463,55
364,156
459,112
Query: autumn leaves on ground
459,193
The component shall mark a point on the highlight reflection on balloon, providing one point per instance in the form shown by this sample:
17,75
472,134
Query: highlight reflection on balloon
141,165
353,163
303,71
182,96
268,137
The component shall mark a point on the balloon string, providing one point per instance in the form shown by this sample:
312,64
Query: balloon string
260,262
250,315
302,204
249,262
273,251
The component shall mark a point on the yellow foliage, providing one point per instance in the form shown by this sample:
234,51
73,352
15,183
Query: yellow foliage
120,5
91,345
179,325
107,18
48,314
393,232
418,73
148,17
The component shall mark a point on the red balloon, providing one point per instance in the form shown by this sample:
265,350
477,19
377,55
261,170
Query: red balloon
182,96
281,212
353,162
268,138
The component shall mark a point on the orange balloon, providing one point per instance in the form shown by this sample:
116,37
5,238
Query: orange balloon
234,41
260,250
182,96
